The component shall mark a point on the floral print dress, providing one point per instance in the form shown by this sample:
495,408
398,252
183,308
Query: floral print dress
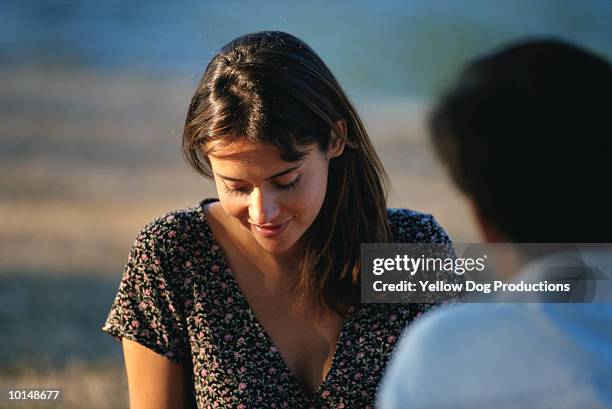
178,298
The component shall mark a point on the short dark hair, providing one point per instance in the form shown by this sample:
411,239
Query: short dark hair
526,132
271,87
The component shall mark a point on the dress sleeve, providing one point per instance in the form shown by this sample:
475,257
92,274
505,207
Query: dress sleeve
409,226
147,308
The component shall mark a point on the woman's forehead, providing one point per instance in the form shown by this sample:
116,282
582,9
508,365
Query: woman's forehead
221,149
243,149
250,161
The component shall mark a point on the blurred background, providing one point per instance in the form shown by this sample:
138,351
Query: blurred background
92,102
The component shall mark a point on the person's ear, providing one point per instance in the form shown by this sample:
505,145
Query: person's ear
337,142
490,233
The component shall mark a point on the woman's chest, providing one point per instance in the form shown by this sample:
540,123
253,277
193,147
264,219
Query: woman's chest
305,340
278,333
270,356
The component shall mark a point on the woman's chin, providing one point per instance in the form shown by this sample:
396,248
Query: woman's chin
275,246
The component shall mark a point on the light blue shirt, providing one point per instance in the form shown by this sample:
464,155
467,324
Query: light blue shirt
504,356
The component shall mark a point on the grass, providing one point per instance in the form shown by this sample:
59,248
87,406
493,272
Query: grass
100,385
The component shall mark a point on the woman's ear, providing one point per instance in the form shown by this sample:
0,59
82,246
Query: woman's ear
337,142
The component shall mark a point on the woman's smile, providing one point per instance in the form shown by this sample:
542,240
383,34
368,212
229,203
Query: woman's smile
270,230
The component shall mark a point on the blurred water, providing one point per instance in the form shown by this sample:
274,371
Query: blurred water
383,48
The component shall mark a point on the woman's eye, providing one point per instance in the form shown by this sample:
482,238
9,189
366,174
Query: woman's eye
241,191
289,186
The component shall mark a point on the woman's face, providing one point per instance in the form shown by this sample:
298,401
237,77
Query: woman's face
274,200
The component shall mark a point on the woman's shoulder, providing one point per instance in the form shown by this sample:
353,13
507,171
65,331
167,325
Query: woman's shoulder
411,226
176,230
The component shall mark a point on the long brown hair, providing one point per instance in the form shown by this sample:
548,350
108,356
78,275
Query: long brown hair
272,87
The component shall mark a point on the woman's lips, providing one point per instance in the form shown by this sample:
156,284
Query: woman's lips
270,231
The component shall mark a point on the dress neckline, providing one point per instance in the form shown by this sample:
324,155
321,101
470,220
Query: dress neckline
231,281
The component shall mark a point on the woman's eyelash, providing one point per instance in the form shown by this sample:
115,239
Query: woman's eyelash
241,191
234,192
290,186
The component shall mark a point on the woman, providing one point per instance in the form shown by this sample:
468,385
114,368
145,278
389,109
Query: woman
252,300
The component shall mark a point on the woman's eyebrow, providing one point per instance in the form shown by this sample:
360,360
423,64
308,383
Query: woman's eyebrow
284,172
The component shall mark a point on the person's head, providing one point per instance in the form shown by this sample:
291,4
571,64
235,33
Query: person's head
526,133
291,159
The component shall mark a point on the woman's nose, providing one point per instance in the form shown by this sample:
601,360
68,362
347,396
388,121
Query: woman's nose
263,207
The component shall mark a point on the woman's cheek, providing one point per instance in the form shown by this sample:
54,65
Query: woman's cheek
318,187
228,203
231,205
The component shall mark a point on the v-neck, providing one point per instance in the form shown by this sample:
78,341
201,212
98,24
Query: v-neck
241,298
